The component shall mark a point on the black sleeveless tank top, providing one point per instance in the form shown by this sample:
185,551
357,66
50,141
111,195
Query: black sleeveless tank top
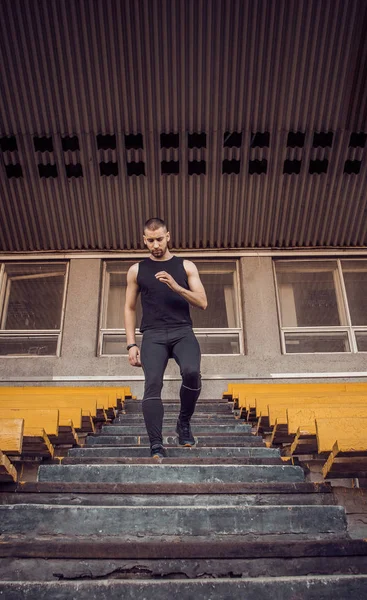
161,306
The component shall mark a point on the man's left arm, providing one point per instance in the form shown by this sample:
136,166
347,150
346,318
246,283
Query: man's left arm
195,295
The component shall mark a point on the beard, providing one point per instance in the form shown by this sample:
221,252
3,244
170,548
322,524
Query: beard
158,252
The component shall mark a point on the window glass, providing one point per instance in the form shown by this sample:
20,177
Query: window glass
361,338
309,294
355,279
316,342
219,280
116,273
33,296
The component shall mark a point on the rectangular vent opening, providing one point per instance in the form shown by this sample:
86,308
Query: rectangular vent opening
260,139
317,167
258,167
8,143
196,140
170,140
14,171
292,166
108,168
48,170
106,142
232,139
135,168
323,139
231,167
74,170
43,144
197,167
296,139
170,167
134,141
70,142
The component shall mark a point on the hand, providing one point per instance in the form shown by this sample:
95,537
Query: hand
134,357
166,278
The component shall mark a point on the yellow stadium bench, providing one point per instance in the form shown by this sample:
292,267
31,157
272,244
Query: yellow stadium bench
11,436
8,472
348,458
36,443
328,431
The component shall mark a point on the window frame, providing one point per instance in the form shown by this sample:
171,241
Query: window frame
197,330
342,303
33,333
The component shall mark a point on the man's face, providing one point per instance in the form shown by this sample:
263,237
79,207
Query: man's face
157,241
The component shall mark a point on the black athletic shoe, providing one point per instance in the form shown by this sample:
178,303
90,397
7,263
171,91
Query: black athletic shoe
158,452
185,437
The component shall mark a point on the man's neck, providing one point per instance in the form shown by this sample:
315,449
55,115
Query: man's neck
166,256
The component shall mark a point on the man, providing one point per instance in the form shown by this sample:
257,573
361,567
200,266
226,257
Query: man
168,285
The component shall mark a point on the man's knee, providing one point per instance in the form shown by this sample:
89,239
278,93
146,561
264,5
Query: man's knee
191,378
153,387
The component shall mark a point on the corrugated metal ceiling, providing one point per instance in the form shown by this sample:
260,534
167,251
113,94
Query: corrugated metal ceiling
120,67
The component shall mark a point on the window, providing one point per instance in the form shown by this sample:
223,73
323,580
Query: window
322,305
218,328
32,299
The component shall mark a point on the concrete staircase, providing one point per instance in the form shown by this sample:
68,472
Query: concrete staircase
226,519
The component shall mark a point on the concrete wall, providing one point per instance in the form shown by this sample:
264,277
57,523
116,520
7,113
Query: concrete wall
263,353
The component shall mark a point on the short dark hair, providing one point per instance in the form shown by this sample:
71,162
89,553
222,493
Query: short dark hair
154,223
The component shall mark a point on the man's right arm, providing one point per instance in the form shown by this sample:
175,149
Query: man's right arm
132,292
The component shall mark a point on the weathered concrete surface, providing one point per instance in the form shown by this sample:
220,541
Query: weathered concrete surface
63,569
203,440
170,429
188,520
80,499
169,473
235,452
280,588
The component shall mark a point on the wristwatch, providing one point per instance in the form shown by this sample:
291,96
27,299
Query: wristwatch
131,346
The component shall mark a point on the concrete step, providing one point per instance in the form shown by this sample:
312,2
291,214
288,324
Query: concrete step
203,440
147,459
170,429
174,407
176,452
166,473
209,418
108,557
321,587
43,495
37,520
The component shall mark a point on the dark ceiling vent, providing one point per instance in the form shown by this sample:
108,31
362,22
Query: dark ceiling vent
231,167
197,167
258,167
134,141
135,168
108,168
291,167
232,139
296,139
43,144
14,171
323,139
70,143
170,140
357,140
352,167
106,142
260,139
74,170
8,143
317,167
47,171
196,140
170,167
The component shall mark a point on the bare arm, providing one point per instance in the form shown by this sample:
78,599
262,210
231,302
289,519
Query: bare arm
132,292
195,295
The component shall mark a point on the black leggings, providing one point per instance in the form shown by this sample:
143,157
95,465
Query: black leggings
157,347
